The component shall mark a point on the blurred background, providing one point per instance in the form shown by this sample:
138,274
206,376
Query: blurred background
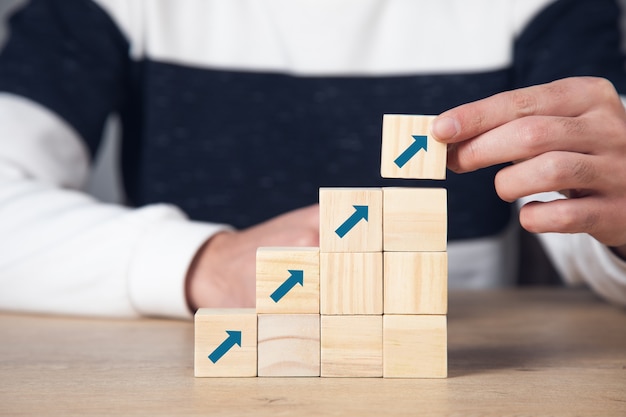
105,184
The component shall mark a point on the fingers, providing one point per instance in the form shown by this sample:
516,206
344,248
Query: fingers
299,227
584,215
522,139
569,97
566,136
560,216
309,215
222,275
302,217
552,171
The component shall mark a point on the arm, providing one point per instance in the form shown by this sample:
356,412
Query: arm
581,259
552,133
224,271
567,135
63,71
62,251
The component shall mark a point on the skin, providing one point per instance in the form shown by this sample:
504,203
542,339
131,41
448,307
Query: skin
567,136
223,274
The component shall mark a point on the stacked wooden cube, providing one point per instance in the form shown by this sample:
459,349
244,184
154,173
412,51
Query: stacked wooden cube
371,301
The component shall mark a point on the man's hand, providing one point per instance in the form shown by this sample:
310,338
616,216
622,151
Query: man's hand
567,136
223,274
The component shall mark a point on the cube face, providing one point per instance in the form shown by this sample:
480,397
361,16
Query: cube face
350,219
416,282
225,343
371,301
352,346
289,345
287,280
408,149
415,346
415,219
351,283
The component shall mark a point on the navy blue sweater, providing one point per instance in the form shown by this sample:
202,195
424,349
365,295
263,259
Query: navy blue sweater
239,146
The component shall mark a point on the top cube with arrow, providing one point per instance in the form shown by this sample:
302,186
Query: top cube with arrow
408,149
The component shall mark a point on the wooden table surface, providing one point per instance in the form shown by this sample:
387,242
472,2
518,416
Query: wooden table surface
511,353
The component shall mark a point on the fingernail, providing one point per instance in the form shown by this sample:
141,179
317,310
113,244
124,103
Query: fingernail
444,128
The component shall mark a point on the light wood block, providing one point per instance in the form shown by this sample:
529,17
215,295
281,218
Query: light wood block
416,282
289,345
415,346
352,346
415,219
405,156
225,342
351,219
351,283
287,280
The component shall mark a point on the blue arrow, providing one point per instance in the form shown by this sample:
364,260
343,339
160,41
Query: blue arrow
234,338
419,142
360,212
296,277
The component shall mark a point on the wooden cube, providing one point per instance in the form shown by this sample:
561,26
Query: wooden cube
415,282
287,280
409,150
225,342
415,219
352,346
351,219
289,345
351,283
415,346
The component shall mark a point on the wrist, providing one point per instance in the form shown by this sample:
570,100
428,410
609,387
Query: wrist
198,281
213,279
160,264
193,281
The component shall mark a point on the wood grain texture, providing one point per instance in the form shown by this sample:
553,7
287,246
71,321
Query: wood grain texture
351,283
415,219
337,205
211,326
415,346
415,282
530,352
289,345
352,346
397,137
273,266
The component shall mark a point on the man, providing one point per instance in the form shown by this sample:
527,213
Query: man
235,112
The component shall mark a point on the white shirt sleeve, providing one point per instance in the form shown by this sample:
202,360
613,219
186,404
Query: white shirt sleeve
62,251
582,260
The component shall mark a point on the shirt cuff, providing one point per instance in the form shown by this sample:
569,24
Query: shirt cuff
605,272
159,268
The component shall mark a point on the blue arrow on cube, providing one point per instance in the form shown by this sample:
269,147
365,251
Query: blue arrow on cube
419,142
296,276
234,338
360,213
